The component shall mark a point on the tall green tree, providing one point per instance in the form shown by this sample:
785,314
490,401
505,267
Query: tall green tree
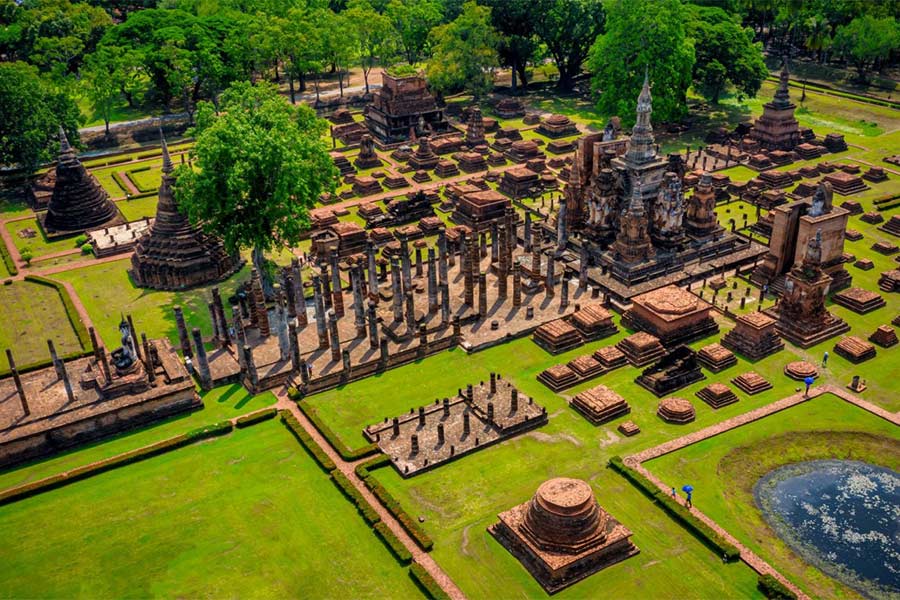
412,21
32,109
465,53
101,81
261,164
866,41
514,21
568,28
643,35
725,54
373,36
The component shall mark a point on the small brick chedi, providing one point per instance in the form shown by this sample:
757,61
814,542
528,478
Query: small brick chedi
78,202
777,128
674,315
175,254
754,336
562,535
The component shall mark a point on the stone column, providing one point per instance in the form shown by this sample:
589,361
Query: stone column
404,261
445,303
345,363
182,333
503,264
463,244
457,329
321,327
214,321
551,276
373,270
482,295
383,353
202,362
397,300
287,284
423,339
527,234
252,374
410,311
99,355
299,295
482,245
495,239
239,333
281,325
296,361
148,359
373,325
335,336
517,286
442,255
561,233
469,274
54,359
432,283
418,261
583,269
337,296
564,292
357,277
536,260
20,390
220,313
258,306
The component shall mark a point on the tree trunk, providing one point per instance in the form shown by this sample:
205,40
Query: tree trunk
291,87
523,75
316,81
301,80
566,78
515,86
340,75
366,78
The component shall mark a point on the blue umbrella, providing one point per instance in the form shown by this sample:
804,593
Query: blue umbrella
809,380
687,488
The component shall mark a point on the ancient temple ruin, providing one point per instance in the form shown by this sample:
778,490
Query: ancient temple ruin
78,202
562,535
777,128
403,109
175,254
626,213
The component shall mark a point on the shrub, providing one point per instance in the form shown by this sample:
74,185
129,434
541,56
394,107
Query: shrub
7,260
727,551
390,503
346,486
256,417
127,458
81,240
81,331
363,470
294,394
425,581
390,540
346,453
26,256
772,588
87,248
306,441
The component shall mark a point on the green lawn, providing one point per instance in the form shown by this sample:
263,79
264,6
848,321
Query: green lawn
724,468
107,291
224,402
247,515
35,314
39,245
140,208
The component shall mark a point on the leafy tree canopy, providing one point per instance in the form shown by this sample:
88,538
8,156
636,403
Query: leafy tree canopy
568,28
259,167
867,40
412,21
643,35
31,112
464,53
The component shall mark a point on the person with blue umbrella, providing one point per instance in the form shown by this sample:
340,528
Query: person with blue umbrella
808,381
688,489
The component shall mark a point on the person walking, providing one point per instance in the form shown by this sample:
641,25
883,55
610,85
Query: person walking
825,359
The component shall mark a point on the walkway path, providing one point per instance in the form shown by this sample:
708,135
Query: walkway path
349,470
756,563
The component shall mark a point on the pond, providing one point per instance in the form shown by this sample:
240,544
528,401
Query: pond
842,516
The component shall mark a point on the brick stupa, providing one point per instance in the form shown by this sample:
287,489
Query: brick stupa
562,535
175,254
777,128
78,202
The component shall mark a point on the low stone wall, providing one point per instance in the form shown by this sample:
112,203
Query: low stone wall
96,426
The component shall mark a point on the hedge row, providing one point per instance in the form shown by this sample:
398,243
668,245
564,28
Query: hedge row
306,441
8,260
127,458
117,177
412,528
427,582
294,394
257,417
397,548
772,588
727,551
365,509
363,470
81,331
143,189
346,453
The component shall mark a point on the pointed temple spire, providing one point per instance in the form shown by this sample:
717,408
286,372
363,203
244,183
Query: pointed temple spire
642,146
782,94
78,202
176,254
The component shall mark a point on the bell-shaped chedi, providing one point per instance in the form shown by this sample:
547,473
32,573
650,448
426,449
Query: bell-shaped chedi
176,254
78,202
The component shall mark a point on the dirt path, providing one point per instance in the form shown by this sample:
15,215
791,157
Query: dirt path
348,469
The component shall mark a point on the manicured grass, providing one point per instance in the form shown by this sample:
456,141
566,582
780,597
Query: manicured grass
724,468
140,208
222,403
39,245
247,515
34,314
107,292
